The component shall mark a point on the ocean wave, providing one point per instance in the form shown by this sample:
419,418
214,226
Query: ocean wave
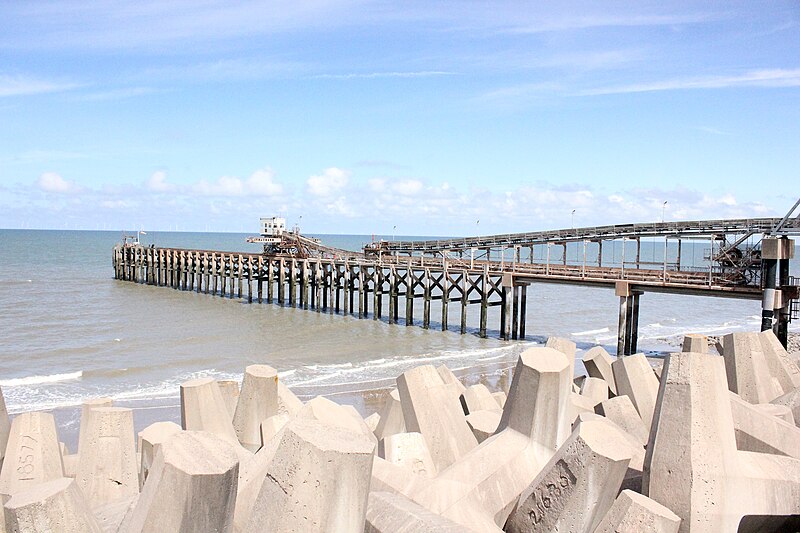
38,380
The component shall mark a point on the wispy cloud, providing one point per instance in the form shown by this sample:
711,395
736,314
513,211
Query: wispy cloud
712,131
20,85
608,21
754,78
118,94
374,75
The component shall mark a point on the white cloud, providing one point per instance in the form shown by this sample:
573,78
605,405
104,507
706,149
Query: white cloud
260,183
755,78
329,182
158,182
52,182
407,187
224,186
24,85
374,75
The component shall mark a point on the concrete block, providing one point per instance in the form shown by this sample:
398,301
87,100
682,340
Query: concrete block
150,439
391,513
5,427
633,476
597,362
577,383
107,467
635,513
32,453
621,411
318,480
747,369
392,420
565,346
487,482
272,426
484,423
53,506
757,431
692,466
258,401
578,485
579,404
694,342
372,421
477,398
191,487
230,394
595,389
635,378
203,409
288,403
410,451
500,397
86,408
110,515
781,366
429,408
791,400
390,477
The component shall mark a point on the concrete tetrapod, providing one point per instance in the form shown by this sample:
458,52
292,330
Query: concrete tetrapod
692,466
635,378
191,487
477,398
288,403
621,411
392,513
317,481
230,394
484,423
451,380
107,469
408,450
597,362
565,346
757,431
392,420
53,506
595,389
747,369
781,366
695,342
5,427
258,401
578,485
203,409
150,438
791,400
271,426
431,409
33,455
86,408
486,483
635,513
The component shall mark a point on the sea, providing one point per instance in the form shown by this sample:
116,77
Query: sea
70,332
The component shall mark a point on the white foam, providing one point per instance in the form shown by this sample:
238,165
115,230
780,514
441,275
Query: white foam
591,332
38,380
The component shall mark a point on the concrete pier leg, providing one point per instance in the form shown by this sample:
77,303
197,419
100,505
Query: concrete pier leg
445,297
485,288
191,487
271,280
628,331
426,301
392,295
464,300
260,279
514,312
376,294
523,312
361,294
409,297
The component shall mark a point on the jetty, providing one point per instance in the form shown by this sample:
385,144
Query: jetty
746,259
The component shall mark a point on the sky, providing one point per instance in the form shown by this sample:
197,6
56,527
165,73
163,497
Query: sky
414,118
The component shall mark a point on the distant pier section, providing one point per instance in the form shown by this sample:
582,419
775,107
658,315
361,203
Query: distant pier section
746,258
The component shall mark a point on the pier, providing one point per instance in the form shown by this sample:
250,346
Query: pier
747,259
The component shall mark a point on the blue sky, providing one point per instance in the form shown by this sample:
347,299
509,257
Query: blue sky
430,116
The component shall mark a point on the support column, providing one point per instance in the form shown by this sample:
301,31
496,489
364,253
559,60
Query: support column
485,288
523,315
362,296
239,273
445,296
628,332
506,316
409,296
465,300
281,281
259,279
775,256
515,312
270,280
426,299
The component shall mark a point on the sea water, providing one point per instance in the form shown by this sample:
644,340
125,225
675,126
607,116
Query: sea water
69,331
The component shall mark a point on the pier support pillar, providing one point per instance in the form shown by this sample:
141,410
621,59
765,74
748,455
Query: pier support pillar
628,334
776,302
507,307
